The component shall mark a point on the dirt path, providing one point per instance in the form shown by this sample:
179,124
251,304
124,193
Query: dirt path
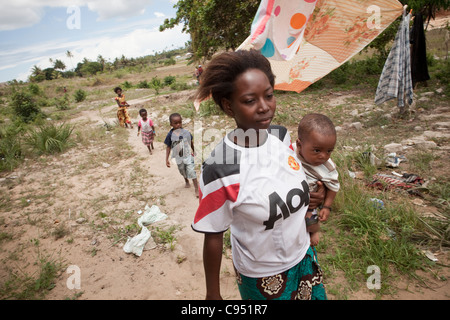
157,274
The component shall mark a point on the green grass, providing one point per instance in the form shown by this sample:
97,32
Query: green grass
364,234
50,138
21,285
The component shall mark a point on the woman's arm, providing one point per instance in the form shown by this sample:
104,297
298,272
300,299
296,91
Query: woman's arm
212,259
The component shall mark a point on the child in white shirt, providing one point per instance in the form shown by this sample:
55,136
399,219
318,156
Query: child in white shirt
316,141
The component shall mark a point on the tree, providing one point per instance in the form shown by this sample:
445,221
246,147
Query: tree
37,75
58,64
70,56
213,24
24,106
427,8
102,61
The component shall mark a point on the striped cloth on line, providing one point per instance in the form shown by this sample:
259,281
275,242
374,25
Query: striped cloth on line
395,80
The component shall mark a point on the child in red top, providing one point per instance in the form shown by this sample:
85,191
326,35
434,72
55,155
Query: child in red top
147,128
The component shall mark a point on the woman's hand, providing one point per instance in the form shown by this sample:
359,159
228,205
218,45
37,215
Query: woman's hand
317,198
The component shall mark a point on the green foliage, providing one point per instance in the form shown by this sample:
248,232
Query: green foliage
170,62
24,106
10,146
126,85
209,108
89,68
213,24
50,138
156,84
386,236
62,103
169,80
80,95
34,89
143,84
22,286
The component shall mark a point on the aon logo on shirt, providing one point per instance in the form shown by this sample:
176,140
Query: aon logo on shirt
287,207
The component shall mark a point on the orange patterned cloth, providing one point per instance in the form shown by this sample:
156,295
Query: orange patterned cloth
122,111
306,39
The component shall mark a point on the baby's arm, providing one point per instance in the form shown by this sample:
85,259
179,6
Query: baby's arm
326,208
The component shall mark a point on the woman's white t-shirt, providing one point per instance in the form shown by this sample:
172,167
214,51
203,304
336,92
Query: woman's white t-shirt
260,193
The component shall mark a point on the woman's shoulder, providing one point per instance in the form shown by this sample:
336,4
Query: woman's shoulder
278,131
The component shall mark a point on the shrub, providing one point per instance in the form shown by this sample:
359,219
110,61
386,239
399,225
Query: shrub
179,86
62,103
10,147
169,80
169,62
126,85
34,89
80,95
156,84
24,106
50,138
143,84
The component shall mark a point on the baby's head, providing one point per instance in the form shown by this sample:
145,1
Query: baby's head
176,121
316,138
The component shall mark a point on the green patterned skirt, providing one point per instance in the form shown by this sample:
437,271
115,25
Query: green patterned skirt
301,282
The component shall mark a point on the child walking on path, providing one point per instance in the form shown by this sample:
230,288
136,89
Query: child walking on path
146,126
253,185
122,111
181,143
316,141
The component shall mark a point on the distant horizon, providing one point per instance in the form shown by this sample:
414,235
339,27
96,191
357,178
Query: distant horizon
33,32
109,60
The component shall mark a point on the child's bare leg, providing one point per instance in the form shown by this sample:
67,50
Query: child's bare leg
312,223
150,150
314,238
152,146
195,186
187,185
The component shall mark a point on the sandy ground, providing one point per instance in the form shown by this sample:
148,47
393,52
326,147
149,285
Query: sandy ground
157,273
106,271
111,273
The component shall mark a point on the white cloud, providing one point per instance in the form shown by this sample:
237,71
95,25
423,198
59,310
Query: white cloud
159,14
138,43
24,13
12,17
108,9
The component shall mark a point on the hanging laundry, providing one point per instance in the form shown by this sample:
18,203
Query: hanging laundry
395,80
419,67
278,27
304,40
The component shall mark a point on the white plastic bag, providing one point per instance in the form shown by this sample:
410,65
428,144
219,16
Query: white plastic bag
151,215
137,243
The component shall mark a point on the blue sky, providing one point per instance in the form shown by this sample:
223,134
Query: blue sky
33,31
